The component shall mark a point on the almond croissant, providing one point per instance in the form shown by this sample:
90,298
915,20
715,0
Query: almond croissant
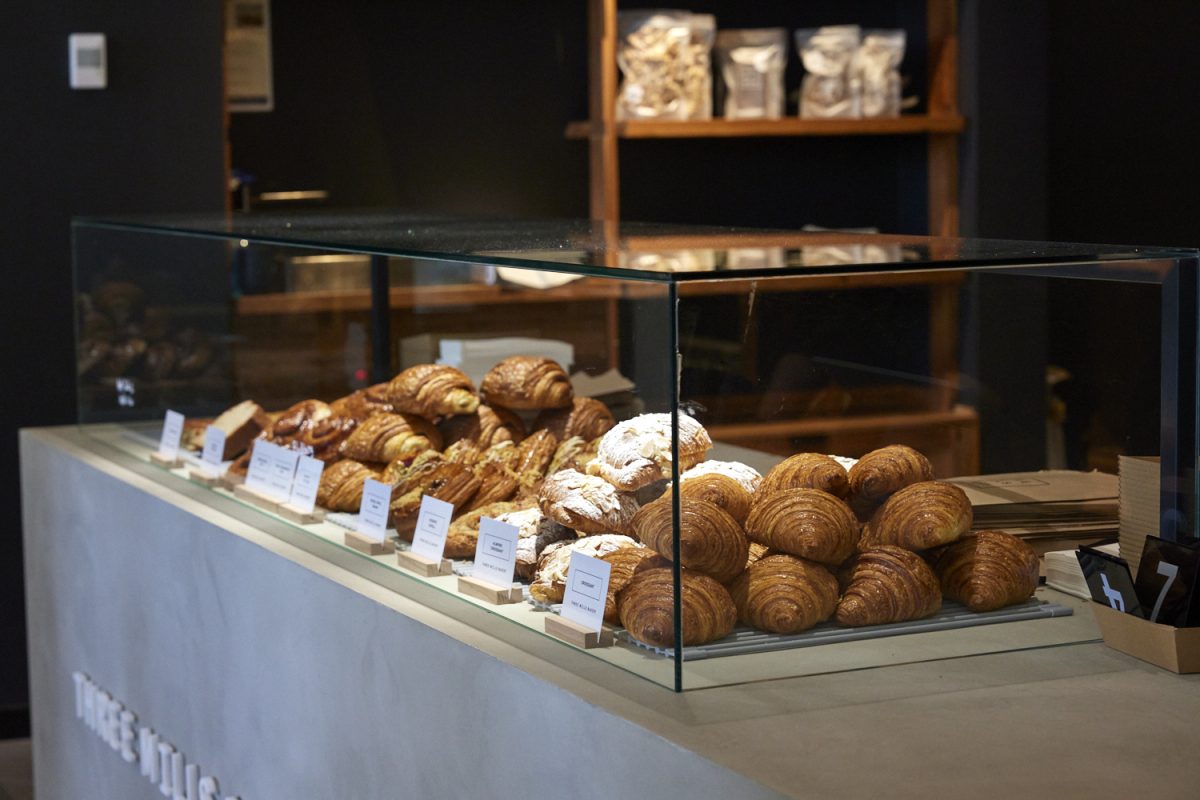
710,541
920,516
808,523
888,584
987,570
784,594
586,503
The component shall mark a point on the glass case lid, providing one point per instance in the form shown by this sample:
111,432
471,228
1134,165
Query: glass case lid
656,252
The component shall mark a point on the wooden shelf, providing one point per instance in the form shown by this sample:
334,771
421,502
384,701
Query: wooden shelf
730,128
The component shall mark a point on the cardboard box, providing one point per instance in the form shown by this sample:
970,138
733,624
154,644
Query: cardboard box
1176,649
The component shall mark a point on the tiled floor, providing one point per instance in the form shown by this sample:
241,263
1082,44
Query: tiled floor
16,770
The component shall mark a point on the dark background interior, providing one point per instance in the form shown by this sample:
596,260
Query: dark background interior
1080,114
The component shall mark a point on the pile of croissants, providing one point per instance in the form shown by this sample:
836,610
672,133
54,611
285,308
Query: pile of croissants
877,543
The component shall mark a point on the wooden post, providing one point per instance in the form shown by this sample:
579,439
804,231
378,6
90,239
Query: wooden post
602,101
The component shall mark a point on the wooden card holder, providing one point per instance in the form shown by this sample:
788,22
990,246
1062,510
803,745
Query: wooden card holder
371,547
260,499
231,480
204,478
488,593
165,461
423,566
293,514
574,633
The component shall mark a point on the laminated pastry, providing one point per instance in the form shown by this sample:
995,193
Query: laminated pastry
550,582
527,382
464,530
398,471
573,453
808,523
624,563
586,503
720,490
298,418
535,532
638,451
986,570
325,438
533,457
497,483
887,584
806,471
442,480
363,403
784,594
240,425
887,470
485,427
463,452
744,474
646,607
920,516
433,390
710,540
757,551
341,485
386,437
586,417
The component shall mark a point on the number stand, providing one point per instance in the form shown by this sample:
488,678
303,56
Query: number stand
372,547
488,593
293,514
204,478
260,499
165,461
576,634
423,566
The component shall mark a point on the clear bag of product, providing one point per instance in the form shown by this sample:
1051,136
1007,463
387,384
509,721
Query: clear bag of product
665,59
876,68
752,63
829,88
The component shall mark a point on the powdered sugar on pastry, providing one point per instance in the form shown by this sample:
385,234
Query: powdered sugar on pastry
551,580
638,451
586,503
845,461
747,476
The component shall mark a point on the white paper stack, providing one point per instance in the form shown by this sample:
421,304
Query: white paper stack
476,356
1047,505
1139,481
1062,571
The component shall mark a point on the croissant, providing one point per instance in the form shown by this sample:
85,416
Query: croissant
550,582
445,480
784,594
637,451
399,470
535,532
586,418
746,475
586,503
987,570
497,483
464,530
363,403
646,607
433,390
326,437
341,485
486,427
710,541
888,584
527,382
624,562
296,419
720,490
887,470
808,523
805,471
920,516
385,437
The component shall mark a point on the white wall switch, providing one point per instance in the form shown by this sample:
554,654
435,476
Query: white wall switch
89,60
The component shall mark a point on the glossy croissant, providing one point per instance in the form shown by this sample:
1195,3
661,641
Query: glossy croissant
586,418
341,485
987,570
919,517
387,437
433,390
887,584
784,594
527,382
646,607
710,541
721,491
807,523
805,471
485,427
887,470
624,563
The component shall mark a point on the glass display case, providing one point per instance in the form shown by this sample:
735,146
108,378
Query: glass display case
794,452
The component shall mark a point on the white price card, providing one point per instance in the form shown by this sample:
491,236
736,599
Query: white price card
496,553
433,522
172,432
214,448
587,587
260,466
304,487
281,471
373,513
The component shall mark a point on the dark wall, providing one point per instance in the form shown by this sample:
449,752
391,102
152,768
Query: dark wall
152,141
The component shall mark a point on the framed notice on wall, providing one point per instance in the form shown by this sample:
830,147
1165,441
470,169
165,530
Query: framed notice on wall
248,80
